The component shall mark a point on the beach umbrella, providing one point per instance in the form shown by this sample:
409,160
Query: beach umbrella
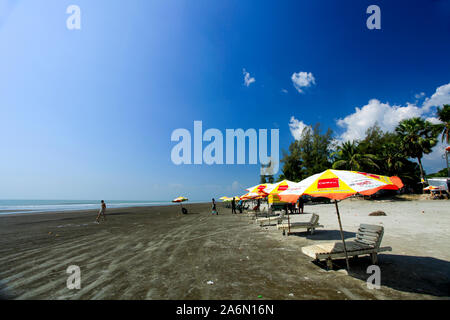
260,188
338,185
274,190
223,198
236,198
180,199
253,195
258,192
278,187
248,196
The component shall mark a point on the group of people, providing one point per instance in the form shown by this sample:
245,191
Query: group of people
239,206
292,207
296,207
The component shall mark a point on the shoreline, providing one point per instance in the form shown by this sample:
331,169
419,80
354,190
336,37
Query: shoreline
29,212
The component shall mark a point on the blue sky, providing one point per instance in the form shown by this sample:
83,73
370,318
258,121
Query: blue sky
88,114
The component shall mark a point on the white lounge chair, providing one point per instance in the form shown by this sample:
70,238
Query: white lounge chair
271,219
368,241
310,226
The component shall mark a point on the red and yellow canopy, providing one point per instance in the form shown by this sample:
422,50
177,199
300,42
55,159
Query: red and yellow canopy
276,189
180,199
340,184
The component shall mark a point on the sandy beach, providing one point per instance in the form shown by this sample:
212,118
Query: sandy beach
158,253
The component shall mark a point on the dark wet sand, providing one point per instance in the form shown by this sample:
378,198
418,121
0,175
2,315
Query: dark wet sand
158,253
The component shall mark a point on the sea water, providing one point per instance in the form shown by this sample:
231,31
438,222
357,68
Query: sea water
35,206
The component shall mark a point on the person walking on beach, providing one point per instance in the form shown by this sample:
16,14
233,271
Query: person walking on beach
233,206
101,212
214,209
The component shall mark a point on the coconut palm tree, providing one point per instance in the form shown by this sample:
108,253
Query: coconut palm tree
348,156
444,116
417,137
392,159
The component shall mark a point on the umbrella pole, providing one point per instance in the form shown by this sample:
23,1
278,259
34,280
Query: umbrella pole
289,222
342,235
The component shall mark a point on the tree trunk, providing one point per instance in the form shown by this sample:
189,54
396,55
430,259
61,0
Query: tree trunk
422,178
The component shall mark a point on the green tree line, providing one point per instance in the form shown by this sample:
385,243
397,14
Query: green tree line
396,153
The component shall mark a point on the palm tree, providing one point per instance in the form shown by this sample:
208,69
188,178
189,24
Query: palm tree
348,156
417,137
393,159
444,116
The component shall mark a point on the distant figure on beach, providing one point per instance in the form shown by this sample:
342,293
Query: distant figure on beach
233,206
301,204
101,212
214,209
257,207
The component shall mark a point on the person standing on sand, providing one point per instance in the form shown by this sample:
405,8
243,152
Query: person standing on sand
301,204
240,205
214,209
101,212
233,206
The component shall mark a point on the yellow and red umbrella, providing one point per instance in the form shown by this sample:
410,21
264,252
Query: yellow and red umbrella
277,188
227,199
431,188
249,195
258,192
260,188
338,185
180,199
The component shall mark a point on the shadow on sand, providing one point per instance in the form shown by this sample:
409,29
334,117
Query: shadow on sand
423,275
332,235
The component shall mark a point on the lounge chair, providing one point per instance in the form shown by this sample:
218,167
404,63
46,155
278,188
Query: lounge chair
368,241
310,226
278,207
271,219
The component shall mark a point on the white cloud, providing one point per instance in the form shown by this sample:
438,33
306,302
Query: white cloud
435,161
419,95
385,115
440,97
236,186
433,120
284,91
302,80
388,116
247,79
297,127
